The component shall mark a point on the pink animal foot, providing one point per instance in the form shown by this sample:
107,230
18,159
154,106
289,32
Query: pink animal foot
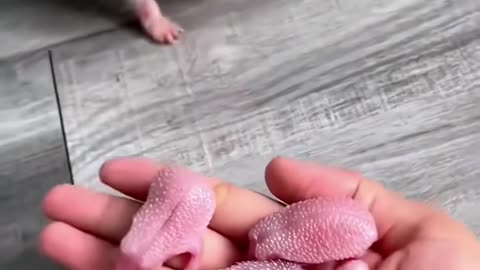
160,28
164,31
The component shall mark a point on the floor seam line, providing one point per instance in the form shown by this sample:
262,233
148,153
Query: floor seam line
59,109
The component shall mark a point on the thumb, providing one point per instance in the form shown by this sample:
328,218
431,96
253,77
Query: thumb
396,217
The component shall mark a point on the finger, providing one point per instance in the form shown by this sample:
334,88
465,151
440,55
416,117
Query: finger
218,253
371,259
74,249
293,181
110,217
131,176
353,265
77,250
237,209
105,216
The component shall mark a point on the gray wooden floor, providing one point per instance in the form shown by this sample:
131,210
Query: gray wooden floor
390,88
33,157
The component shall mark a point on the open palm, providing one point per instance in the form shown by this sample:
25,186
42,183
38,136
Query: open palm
412,235
87,226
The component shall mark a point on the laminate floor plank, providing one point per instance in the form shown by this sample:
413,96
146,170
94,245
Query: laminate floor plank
29,25
33,158
390,88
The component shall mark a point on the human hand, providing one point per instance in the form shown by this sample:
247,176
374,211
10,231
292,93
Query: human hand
412,235
88,226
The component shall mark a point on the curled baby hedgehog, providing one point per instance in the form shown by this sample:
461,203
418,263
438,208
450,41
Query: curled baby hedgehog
181,203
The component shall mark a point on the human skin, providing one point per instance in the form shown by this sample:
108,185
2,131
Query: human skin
414,236
180,204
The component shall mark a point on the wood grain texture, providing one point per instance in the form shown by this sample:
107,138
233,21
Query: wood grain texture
390,88
33,158
27,25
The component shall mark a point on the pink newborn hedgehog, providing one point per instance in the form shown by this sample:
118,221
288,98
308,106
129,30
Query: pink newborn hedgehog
181,203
